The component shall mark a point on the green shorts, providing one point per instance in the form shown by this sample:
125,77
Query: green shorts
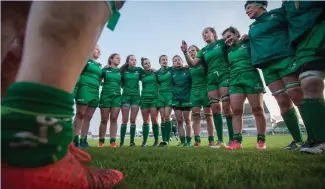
279,68
165,99
87,95
130,100
110,101
217,80
249,82
199,98
310,53
147,103
180,105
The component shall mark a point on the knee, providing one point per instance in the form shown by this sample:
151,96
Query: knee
208,116
283,100
227,110
113,119
180,123
61,27
196,115
294,92
88,117
312,84
80,115
187,121
125,120
215,106
132,119
237,112
258,111
103,122
154,120
146,121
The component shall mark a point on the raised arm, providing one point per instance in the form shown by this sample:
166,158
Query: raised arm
189,60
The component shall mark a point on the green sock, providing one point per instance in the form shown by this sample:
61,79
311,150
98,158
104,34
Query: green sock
122,133
36,123
145,132
197,139
102,140
76,139
238,137
314,117
162,127
132,133
307,122
83,139
182,138
219,126
260,137
155,129
230,129
188,139
168,129
211,138
291,120
111,140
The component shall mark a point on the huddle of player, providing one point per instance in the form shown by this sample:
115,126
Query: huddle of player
37,108
218,79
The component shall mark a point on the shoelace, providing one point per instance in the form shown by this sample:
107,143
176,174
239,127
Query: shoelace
79,154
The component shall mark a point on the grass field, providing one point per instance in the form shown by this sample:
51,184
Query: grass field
206,168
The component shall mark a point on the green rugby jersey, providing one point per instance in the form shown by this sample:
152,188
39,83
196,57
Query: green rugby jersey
112,81
214,55
269,38
181,84
131,78
304,17
239,58
91,74
198,77
149,84
165,80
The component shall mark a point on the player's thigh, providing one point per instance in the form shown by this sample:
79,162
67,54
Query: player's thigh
237,103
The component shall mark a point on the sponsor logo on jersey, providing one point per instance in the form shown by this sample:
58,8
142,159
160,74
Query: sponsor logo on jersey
292,66
217,46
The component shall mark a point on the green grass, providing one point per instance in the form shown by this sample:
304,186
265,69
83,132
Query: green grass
205,168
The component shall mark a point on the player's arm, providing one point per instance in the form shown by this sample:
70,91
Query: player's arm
189,60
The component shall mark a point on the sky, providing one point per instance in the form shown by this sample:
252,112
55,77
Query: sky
152,28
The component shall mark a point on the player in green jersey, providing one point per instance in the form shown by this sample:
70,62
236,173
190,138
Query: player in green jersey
215,57
181,100
131,75
271,51
87,98
40,104
164,102
148,103
199,99
307,34
110,100
245,82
